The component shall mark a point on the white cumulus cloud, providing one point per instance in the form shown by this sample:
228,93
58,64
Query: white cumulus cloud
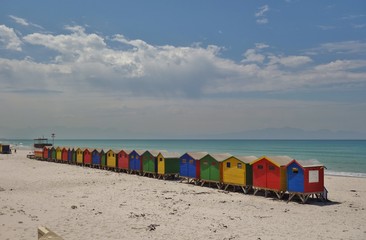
9,38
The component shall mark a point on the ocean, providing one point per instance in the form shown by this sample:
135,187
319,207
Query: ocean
341,157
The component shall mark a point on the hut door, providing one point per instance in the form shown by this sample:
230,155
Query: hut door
273,176
191,168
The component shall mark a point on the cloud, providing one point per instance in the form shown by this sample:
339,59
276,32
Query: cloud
343,47
24,22
86,63
9,38
290,61
261,14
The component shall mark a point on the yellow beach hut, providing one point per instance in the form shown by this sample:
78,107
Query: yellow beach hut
237,171
79,156
59,154
111,156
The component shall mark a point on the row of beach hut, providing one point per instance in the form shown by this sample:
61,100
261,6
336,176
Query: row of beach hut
271,174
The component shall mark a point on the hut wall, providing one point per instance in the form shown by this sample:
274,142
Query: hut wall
314,179
189,167
64,155
295,177
79,156
87,157
96,157
59,153
210,169
260,173
111,159
148,163
233,172
123,160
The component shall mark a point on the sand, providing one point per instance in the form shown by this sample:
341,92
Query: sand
83,203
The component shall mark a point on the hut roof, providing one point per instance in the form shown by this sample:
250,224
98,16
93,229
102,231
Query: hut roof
197,155
277,160
309,163
246,159
98,149
139,152
221,156
280,160
125,150
170,154
155,153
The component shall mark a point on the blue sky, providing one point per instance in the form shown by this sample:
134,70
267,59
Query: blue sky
178,69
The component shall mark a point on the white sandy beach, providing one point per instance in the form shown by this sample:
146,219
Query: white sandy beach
84,203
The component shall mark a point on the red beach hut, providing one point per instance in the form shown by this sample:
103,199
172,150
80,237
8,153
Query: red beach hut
46,150
269,174
123,160
64,154
87,157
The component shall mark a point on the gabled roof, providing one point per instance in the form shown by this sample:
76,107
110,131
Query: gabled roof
125,150
307,163
221,156
276,160
98,149
139,152
155,153
170,154
197,155
246,159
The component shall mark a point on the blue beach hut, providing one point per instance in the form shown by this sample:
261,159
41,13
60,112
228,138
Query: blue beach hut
190,165
96,157
305,179
135,161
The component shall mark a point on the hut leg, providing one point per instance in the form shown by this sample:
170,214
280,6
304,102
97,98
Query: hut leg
265,193
226,187
291,196
255,191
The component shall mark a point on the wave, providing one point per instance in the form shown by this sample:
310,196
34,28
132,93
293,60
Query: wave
345,174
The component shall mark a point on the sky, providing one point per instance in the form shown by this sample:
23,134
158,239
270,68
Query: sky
181,69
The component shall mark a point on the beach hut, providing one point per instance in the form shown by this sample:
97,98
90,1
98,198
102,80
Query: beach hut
211,168
64,154
269,174
190,166
135,161
5,149
149,162
111,156
71,155
305,179
53,154
58,154
168,164
1,148
96,157
79,156
123,160
87,157
46,151
237,171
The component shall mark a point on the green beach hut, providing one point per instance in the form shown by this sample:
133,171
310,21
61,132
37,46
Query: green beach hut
168,164
211,170
149,162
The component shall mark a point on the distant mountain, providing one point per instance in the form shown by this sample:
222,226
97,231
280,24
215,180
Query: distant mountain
291,133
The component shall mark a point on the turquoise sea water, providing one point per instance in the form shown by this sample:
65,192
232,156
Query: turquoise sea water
341,157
